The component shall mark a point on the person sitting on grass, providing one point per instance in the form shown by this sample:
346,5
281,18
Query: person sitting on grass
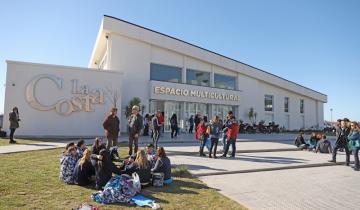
201,136
151,155
104,168
312,142
80,146
84,169
96,147
324,146
163,165
141,166
67,165
300,141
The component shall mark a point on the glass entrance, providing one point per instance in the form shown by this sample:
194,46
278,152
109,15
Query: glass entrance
221,110
172,107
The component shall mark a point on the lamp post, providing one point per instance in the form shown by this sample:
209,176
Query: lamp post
331,111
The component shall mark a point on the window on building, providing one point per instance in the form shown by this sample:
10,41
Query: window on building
195,77
286,104
165,73
302,106
224,81
269,103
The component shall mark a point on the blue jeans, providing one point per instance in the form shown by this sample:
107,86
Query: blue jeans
224,142
356,157
233,145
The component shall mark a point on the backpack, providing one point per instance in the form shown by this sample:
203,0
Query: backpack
158,179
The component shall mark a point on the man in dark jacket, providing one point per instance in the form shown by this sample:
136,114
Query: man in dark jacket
135,126
14,123
112,127
341,141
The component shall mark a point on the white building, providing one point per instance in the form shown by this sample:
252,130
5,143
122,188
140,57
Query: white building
166,73
174,76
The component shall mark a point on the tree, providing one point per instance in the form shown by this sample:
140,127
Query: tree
113,95
135,101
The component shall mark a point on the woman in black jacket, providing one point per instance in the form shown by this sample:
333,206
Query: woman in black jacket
84,169
104,168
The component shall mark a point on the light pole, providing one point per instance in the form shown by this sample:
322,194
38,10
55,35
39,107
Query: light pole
331,111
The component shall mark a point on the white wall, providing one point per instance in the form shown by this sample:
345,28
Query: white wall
50,123
133,57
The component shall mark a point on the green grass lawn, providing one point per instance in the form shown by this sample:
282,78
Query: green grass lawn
29,180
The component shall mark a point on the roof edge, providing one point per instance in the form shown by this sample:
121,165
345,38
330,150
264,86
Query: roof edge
193,45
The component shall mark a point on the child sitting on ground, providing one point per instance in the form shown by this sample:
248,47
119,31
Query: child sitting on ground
300,142
67,165
312,142
151,155
80,147
323,146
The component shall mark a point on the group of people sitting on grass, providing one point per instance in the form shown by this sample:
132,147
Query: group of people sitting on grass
209,133
78,164
316,143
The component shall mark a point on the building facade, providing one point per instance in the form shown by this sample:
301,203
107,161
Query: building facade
166,73
174,76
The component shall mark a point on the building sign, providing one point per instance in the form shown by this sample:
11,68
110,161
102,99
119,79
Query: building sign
82,97
163,90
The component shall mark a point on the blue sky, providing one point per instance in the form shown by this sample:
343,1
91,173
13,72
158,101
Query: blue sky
313,43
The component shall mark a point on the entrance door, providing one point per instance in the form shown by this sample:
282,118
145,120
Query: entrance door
170,109
287,122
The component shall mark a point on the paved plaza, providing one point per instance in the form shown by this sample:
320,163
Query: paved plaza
268,172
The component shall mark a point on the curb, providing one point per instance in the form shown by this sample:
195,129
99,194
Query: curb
270,169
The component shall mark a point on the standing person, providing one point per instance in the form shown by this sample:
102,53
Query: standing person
341,142
174,126
146,125
135,126
111,125
14,123
156,127
201,136
232,132
214,129
191,124
197,121
225,128
161,120
354,142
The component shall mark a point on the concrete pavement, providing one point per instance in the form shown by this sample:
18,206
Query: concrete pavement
321,188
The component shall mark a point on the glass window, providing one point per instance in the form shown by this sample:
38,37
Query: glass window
165,73
269,102
223,81
194,77
286,104
302,106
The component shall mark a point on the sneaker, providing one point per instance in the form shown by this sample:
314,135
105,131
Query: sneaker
347,164
12,142
356,169
215,157
210,156
332,161
232,157
224,156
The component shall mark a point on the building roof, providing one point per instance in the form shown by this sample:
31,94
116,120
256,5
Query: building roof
115,25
